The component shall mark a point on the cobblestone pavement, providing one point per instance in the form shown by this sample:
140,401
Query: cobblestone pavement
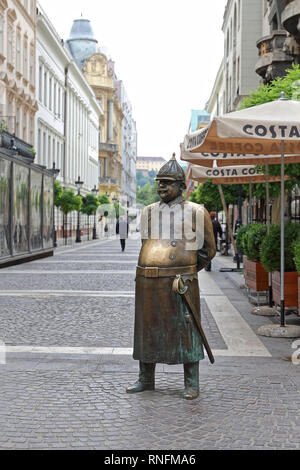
76,400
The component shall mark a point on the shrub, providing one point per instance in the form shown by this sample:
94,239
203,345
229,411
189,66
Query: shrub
297,255
255,236
270,248
241,237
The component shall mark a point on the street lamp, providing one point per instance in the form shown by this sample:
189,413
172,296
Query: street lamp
79,185
55,172
95,192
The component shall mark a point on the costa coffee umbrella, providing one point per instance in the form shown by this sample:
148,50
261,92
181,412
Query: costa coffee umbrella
269,129
242,174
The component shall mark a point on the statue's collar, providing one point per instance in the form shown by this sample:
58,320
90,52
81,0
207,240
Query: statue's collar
177,200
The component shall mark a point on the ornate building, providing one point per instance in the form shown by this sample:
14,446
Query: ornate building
274,57
18,104
67,121
100,74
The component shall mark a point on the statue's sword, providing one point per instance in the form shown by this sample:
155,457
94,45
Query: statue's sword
182,289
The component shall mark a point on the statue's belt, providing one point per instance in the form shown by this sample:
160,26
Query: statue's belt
155,272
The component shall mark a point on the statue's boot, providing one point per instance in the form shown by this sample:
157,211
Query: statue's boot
191,381
146,379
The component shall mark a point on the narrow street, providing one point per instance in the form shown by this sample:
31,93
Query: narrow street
67,323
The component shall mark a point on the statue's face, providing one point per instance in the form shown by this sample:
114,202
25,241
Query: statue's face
169,190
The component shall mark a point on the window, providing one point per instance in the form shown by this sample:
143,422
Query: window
25,60
43,156
9,113
9,44
1,34
25,126
55,99
58,155
31,8
49,153
45,88
39,149
18,121
18,52
40,83
59,102
31,66
31,136
50,93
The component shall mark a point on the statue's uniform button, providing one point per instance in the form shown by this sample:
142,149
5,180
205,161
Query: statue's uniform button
174,244
172,257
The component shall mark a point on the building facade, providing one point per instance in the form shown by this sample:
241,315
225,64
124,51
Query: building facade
279,45
67,121
150,163
116,124
18,104
273,50
242,27
129,149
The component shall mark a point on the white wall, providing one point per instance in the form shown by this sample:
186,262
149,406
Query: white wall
68,118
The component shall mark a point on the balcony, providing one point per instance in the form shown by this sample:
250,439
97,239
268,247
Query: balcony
11,142
106,180
273,60
290,18
106,147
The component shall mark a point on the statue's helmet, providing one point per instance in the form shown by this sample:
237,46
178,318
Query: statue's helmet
171,171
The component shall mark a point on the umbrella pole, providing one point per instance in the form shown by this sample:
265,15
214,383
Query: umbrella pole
268,229
282,311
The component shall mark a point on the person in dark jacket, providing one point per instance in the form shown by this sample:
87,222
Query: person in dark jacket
217,230
122,229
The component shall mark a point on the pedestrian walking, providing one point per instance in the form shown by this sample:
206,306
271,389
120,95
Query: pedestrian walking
122,229
167,307
217,230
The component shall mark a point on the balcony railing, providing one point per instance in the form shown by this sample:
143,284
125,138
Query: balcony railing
106,147
11,142
273,60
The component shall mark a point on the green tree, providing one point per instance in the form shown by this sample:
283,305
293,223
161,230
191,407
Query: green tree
68,202
58,190
90,204
208,195
147,194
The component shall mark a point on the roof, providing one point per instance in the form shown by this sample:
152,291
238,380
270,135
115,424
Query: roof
82,42
148,159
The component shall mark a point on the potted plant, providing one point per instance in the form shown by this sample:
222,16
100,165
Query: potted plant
270,258
256,277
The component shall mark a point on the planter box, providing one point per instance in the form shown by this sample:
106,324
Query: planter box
256,277
290,288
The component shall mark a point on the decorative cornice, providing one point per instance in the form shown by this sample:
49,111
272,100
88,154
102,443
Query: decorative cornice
11,15
4,77
3,4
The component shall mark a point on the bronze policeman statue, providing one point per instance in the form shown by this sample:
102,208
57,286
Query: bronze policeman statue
177,242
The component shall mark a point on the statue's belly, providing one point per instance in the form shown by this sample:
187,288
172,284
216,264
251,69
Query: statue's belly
166,253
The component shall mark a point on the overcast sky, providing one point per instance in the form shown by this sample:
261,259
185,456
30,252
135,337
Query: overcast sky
167,52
